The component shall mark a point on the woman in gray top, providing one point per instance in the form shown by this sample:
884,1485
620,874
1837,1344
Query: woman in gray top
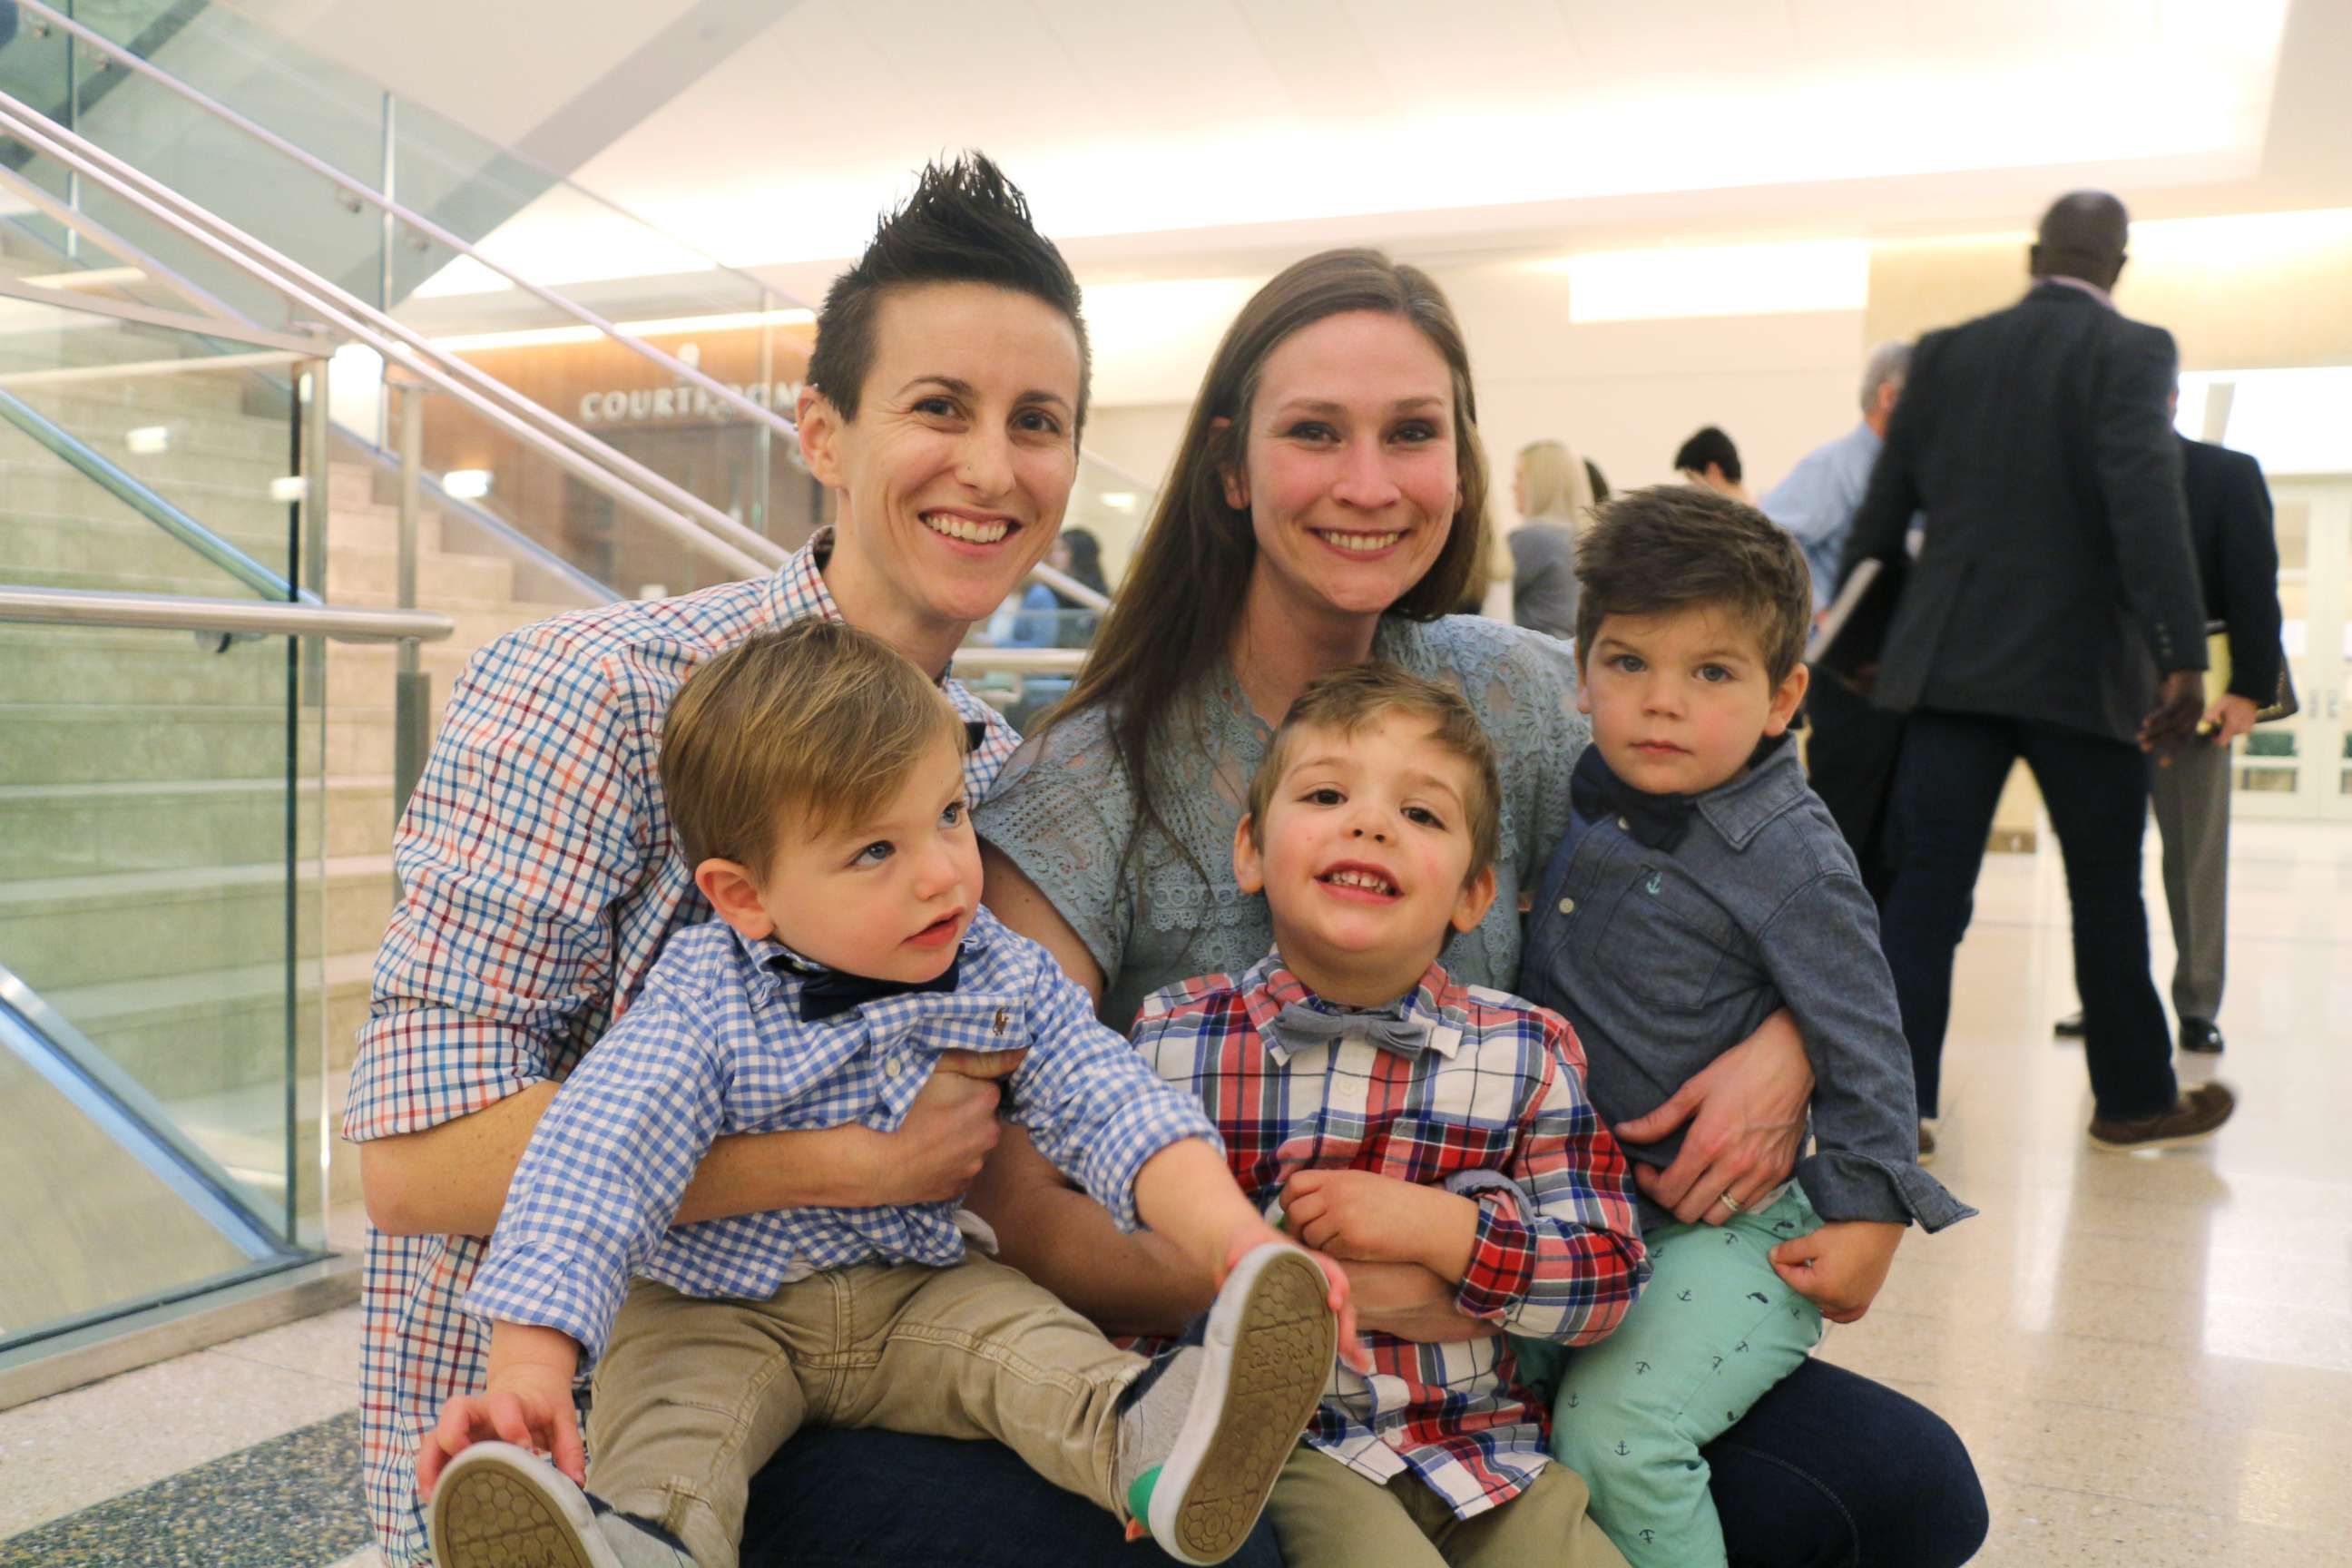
1325,506
1554,497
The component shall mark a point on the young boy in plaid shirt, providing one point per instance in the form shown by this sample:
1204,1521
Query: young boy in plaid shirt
1391,1115
816,779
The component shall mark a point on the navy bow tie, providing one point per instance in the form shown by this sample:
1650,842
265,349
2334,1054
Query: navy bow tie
826,993
1298,1025
1654,821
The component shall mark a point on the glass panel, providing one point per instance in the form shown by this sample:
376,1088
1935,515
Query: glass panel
116,1233
158,875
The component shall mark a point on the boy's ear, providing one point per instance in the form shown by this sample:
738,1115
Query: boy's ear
1477,896
1790,693
1249,866
734,895
820,426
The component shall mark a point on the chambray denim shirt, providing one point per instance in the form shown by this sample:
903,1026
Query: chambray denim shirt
1662,960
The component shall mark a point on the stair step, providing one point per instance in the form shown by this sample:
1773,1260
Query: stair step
59,934
96,829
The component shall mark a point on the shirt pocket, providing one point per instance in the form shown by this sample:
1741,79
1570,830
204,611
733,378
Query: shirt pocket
1666,942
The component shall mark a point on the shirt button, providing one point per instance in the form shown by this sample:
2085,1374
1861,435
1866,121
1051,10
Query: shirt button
1623,825
1568,906
893,1068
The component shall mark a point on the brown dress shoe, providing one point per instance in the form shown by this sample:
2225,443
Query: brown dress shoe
2195,1114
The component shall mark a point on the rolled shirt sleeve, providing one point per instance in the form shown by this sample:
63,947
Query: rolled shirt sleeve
1822,950
1091,1103
1568,1270
496,968
603,1175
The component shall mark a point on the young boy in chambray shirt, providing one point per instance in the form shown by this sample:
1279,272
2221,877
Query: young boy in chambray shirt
1392,1115
1702,887
816,780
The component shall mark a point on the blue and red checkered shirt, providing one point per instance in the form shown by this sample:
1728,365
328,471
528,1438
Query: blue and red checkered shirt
1492,1108
716,1043
539,882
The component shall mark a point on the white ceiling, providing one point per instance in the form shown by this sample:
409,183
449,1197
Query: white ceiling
1216,139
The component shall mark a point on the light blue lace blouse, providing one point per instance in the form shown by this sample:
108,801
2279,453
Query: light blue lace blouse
1061,810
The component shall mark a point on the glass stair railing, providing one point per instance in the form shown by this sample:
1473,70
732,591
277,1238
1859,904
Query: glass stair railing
460,240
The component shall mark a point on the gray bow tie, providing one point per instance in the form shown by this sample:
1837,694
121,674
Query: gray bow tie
1298,1025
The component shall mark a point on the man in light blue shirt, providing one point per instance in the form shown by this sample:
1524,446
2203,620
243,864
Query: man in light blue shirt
1818,500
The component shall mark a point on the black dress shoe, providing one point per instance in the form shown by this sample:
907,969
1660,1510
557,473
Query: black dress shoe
2069,1027
2200,1036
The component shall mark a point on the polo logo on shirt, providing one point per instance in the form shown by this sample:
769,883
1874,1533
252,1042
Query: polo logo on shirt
998,1028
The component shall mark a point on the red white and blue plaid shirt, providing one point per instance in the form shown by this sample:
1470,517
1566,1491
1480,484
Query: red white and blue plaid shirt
1492,1107
539,881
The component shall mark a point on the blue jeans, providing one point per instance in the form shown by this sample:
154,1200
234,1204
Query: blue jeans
1828,1470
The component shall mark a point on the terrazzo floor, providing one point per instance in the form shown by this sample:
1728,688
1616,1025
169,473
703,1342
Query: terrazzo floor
2149,1356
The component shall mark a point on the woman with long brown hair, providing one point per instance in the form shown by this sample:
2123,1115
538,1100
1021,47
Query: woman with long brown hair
1327,506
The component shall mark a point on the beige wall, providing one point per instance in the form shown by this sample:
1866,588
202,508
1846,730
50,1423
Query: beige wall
2237,293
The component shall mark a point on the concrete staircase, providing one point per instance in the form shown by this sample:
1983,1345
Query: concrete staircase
144,778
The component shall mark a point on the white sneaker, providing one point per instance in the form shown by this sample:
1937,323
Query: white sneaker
1205,1430
497,1506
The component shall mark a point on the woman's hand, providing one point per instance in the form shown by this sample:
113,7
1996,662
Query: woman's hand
1746,1116
939,1148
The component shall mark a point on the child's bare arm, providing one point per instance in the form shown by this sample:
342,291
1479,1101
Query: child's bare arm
1358,1217
1841,1267
526,1400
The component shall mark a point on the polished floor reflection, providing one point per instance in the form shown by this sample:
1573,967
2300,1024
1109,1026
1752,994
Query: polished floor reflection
2150,1356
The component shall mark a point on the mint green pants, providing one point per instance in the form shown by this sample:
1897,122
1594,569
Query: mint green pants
1714,1329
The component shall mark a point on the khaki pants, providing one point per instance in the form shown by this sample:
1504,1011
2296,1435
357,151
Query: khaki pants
695,1395
1327,1516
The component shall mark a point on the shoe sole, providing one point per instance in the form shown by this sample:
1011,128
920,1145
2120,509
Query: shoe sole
492,1508
2177,1141
1271,1340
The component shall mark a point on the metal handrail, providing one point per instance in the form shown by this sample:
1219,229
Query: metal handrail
561,443
415,220
80,457
158,612
593,590
1019,660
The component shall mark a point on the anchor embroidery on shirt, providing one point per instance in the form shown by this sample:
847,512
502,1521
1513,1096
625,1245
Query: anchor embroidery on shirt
1682,1296
1652,884
1621,1450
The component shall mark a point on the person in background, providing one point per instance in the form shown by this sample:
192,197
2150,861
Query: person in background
2057,581
1553,492
2237,563
1818,500
1709,458
1050,619
1850,755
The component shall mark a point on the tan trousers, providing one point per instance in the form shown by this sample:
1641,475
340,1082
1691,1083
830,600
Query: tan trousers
1327,1516
695,1395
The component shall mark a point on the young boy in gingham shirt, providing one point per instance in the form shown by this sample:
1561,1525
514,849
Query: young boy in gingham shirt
817,780
1389,1115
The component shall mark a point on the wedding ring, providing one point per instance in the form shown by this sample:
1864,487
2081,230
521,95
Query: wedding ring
1727,1201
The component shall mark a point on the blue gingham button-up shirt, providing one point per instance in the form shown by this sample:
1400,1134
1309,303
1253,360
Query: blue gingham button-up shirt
716,1045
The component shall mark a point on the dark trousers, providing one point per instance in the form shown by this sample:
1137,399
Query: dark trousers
1850,761
1948,782
1828,1470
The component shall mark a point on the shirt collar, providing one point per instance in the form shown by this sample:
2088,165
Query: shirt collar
799,590
2093,290
1774,783
1270,986
780,968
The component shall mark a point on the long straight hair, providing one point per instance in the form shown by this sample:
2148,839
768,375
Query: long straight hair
1190,575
